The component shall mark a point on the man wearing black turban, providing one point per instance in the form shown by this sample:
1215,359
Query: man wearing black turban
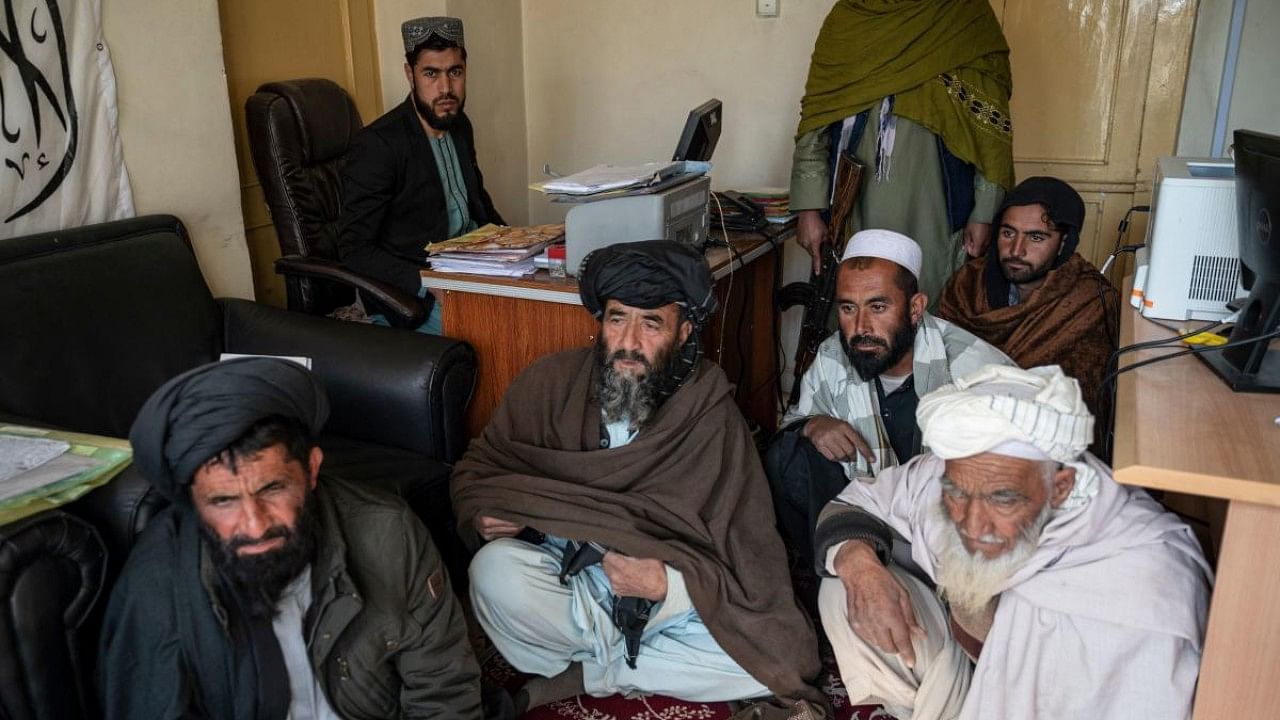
1033,296
266,590
618,484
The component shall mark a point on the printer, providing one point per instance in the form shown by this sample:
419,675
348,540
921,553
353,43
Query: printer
678,212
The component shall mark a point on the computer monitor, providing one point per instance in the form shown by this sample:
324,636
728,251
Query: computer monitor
701,131
1252,367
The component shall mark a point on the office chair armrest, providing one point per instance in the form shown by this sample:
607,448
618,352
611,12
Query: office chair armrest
408,307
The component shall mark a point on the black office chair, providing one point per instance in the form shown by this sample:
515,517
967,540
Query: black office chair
299,135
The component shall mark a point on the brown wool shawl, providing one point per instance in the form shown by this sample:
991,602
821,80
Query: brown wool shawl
1064,322
688,490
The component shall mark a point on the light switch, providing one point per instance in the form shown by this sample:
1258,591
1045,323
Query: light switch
766,8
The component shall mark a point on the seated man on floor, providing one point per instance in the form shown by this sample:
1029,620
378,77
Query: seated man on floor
630,535
857,410
1033,296
412,178
266,590
1060,594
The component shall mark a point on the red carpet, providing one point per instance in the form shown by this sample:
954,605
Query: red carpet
654,707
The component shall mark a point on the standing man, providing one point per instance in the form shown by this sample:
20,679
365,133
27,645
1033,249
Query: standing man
857,410
918,91
267,590
1060,593
411,178
623,477
1034,297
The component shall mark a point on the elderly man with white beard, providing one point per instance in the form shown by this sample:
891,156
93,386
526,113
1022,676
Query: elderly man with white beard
1059,593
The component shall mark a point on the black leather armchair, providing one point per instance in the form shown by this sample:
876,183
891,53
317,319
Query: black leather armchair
299,134
98,317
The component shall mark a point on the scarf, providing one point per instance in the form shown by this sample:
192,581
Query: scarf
689,490
945,63
1067,321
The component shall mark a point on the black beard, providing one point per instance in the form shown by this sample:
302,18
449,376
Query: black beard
1024,274
623,396
439,122
869,365
259,580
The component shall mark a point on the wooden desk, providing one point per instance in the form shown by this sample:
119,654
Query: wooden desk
513,321
1180,428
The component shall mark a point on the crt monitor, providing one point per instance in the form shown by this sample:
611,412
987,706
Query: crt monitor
1251,366
701,131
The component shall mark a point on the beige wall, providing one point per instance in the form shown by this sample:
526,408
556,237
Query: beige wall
175,126
613,81
1256,94
496,99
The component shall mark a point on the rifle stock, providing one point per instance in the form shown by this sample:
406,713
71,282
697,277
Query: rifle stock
818,294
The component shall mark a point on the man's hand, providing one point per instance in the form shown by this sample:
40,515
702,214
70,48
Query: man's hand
811,233
976,236
879,606
636,577
836,439
491,528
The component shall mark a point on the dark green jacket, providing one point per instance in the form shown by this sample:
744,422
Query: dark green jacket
385,632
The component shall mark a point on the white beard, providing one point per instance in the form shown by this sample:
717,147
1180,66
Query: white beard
969,581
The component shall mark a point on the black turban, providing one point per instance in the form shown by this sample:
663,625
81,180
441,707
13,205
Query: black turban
648,274
198,414
1065,209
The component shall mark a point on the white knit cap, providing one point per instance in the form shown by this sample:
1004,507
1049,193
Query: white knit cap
887,245
1034,414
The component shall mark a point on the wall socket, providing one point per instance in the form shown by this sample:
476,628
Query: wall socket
767,8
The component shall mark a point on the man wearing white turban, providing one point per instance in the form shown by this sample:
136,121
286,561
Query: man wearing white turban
856,414
1060,594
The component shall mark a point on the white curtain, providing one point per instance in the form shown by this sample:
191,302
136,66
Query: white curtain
61,164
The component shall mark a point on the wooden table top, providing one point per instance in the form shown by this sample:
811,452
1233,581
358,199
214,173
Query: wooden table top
747,246
1180,428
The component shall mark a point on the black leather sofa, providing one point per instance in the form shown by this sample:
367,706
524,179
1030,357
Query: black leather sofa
92,320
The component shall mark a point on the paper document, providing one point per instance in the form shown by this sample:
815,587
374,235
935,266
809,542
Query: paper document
20,454
609,177
63,467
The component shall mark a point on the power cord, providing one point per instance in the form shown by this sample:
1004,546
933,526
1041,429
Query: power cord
733,258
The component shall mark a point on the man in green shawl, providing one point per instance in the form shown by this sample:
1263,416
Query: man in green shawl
918,91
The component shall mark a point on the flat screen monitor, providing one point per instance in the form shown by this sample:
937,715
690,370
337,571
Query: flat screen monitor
701,131
1251,366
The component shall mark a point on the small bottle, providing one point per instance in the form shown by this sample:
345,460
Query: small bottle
556,261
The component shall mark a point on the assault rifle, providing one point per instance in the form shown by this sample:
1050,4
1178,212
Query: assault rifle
818,293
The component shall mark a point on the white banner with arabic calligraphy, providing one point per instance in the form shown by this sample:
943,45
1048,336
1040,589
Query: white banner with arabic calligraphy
61,164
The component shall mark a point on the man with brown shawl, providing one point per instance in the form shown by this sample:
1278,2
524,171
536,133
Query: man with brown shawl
918,91
1036,298
634,450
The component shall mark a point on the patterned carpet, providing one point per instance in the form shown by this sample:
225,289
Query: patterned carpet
654,707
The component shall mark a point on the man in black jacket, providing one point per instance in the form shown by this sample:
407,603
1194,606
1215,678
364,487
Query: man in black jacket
411,178
268,589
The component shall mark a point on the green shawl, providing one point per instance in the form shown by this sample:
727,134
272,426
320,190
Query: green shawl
945,61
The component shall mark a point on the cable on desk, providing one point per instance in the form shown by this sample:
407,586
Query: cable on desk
1110,378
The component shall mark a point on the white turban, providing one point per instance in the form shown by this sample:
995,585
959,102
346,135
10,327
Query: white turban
1038,414
886,245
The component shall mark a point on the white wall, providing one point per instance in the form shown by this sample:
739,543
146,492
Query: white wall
1255,100
175,125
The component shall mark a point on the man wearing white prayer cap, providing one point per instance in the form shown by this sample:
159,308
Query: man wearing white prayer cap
1060,594
856,412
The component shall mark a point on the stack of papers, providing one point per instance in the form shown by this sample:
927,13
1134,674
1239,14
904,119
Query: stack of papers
494,250
775,202
41,469
601,181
